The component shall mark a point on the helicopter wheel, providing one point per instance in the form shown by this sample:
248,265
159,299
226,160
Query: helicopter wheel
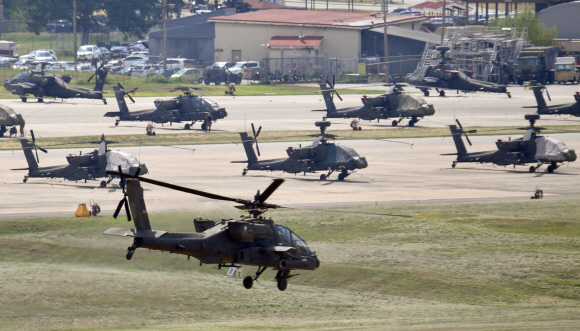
426,93
117,123
244,172
322,177
441,93
103,184
411,123
394,123
248,282
203,127
187,127
40,100
282,284
532,169
23,99
341,176
104,101
550,169
25,179
129,255
453,164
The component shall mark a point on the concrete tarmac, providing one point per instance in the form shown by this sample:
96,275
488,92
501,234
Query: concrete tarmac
85,117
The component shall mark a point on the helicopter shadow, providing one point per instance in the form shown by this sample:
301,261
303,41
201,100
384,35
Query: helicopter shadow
60,184
537,174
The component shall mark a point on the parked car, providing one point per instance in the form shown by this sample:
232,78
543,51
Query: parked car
119,52
59,26
217,75
85,68
88,52
175,64
21,65
126,71
223,65
43,56
105,53
144,53
414,13
114,63
30,56
137,48
401,10
115,69
143,71
130,61
62,66
189,74
239,67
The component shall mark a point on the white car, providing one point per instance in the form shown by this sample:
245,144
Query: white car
21,65
143,71
144,53
239,67
114,63
88,52
30,56
62,66
130,61
43,56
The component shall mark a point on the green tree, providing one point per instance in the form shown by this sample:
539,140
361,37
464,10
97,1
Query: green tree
538,33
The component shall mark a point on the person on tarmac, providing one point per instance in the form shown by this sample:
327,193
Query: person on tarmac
208,120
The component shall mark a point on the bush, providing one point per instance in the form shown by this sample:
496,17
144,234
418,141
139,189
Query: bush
538,34
159,79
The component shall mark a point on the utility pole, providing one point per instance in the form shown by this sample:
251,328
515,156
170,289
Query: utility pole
74,17
443,22
165,6
1,18
386,46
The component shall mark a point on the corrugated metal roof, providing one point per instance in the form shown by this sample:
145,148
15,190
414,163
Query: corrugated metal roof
316,18
261,5
432,38
190,27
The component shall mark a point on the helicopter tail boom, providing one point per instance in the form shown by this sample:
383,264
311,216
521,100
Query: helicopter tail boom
538,93
456,133
120,95
326,93
247,142
27,147
137,204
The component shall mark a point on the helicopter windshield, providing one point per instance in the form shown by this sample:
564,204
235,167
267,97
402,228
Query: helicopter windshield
21,76
289,238
212,104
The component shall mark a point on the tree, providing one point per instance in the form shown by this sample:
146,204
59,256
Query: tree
132,17
538,34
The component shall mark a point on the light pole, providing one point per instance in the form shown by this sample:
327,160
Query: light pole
165,6
385,45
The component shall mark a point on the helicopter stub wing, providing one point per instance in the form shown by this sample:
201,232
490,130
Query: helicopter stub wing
122,232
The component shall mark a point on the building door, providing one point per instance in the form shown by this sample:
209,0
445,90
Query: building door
236,55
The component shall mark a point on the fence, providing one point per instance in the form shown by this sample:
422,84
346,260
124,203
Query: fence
296,68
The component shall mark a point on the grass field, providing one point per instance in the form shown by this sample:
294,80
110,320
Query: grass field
478,266
199,137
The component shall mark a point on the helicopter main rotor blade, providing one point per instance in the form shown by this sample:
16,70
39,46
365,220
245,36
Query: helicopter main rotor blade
90,78
32,135
258,148
118,210
464,133
548,94
253,130
127,209
338,95
177,187
271,189
130,98
258,133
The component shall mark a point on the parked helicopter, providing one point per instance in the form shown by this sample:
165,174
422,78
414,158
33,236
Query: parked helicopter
249,240
319,156
90,166
9,118
442,76
563,109
184,108
41,84
392,104
531,148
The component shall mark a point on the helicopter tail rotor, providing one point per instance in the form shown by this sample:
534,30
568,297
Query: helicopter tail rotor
332,90
36,147
256,134
465,132
128,93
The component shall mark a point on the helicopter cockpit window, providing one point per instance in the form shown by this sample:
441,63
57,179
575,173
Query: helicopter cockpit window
300,244
212,104
350,151
284,234
21,76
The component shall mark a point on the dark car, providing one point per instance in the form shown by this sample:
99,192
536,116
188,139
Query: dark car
116,69
119,52
217,75
59,26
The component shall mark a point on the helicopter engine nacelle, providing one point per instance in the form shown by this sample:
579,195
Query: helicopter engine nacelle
308,263
248,232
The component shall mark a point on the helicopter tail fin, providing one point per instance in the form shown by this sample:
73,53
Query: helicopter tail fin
101,76
539,94
137,205
456,133
247,142
27,147
325,90
120,95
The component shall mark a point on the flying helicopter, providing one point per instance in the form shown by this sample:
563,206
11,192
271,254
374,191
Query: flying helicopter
319,156
9,118
531,148
392,104
41,84
442,76
89,166
562,109
192,106
252,240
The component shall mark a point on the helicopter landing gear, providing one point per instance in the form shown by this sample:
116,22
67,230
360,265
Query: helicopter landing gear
117,122
249,280
23,99
442,93
244,172
532,169
413,121
25,179
343,175
187,127
394,123
453,164
105,101
552,167
324,177
40,100
131,249
203,127
103,184
509,95
282,279
425,92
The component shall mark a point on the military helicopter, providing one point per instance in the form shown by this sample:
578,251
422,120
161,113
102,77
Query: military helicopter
9,118
249,240
319,156
392,104
41,84
565,109
90,166
531,148
442,76
184,108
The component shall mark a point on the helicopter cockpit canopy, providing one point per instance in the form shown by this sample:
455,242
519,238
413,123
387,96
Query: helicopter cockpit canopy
23,76
211,103
289,238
